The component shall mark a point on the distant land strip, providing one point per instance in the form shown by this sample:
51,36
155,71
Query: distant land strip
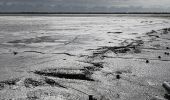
84,12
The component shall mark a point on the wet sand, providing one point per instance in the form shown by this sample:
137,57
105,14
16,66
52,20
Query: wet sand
70,58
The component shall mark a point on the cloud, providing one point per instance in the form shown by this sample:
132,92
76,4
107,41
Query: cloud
84,5
148,3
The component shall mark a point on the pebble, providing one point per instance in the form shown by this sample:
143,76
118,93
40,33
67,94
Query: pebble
166,53
147,61
159,57
117,76
15,53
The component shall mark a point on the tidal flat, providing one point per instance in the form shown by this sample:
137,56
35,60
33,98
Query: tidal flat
108,57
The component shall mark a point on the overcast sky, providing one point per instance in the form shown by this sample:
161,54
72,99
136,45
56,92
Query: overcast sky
85,5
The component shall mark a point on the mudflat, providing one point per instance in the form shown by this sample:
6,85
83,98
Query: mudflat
75,57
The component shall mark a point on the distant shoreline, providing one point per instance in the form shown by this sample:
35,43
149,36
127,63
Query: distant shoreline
84,12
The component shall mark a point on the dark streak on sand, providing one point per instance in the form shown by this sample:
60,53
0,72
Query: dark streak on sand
65,54
133,47
68,54
81,74
35,40
115,32
36,52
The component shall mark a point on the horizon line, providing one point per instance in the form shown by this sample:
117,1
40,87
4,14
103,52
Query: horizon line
84,12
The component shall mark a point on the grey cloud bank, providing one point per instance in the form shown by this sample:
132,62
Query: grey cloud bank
84,5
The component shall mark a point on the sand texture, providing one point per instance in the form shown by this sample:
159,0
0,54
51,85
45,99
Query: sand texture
70,58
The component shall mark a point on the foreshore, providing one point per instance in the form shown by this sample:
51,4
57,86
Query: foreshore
72,60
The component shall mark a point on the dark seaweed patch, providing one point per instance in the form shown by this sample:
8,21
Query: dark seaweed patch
92,68
52,82
132,47
67,74
95,66
8,83
166,30
151,32
29,82
98,64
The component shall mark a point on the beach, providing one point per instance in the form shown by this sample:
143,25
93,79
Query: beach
113,57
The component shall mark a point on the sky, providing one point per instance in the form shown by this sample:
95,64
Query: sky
84,5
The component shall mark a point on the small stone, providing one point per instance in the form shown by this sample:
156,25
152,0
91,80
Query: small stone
166,53
157,36
15,53
159,57
147,61
118,76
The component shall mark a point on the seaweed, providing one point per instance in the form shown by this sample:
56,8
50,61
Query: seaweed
8,83
51,82
31,82
81,74
132,47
